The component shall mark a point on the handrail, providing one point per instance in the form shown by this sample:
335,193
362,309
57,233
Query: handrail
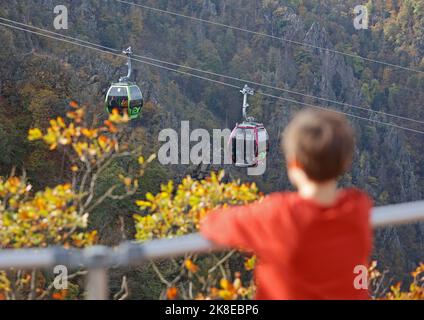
99,258
397,214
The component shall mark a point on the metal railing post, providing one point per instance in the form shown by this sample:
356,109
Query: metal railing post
97,259
97,284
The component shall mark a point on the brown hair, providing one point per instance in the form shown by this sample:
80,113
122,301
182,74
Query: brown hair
321,142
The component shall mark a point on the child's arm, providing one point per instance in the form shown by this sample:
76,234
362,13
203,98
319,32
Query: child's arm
242,226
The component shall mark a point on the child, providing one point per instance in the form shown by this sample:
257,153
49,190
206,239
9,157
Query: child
308,242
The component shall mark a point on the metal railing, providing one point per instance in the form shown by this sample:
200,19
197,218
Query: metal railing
98,259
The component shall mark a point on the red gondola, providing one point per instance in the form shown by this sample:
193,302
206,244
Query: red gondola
249,141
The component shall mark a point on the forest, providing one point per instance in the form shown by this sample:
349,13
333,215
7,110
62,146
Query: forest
100,177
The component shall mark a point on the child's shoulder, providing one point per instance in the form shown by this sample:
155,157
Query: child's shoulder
352,195
347,195
355,194
281,196
281,201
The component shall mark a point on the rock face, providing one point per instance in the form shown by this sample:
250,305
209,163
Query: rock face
337,79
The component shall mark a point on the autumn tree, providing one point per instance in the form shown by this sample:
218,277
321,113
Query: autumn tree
60,215
178,210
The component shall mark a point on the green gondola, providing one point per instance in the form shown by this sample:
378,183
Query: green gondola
125,96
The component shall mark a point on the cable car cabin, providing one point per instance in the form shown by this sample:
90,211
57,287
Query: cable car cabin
249,143
126,98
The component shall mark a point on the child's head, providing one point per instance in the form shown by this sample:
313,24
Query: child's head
318,146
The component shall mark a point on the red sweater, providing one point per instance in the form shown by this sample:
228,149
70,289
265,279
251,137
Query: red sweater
305,250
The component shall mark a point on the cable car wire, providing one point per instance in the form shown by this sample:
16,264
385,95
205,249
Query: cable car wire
211,80
59,34
226,76
118,55
341,112
299,43
283,89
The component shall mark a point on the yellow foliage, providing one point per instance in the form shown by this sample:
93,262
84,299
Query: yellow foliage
88,144
47,218
250,263
178,210
191,266
171,293
35,134
4,283
232,290
416,288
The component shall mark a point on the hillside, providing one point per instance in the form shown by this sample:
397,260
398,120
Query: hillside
39,76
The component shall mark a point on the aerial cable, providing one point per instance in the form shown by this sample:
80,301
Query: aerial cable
233,78
208,79
299,43
283,89
389,124
60,35
118,55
